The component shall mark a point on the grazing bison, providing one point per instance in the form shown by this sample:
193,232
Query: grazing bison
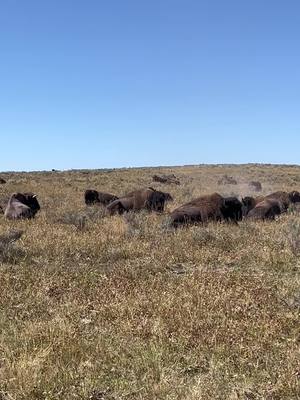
266,209
2,181
149,199
212,207
21,205
93,197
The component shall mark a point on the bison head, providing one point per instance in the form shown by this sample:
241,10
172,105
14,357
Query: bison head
156,201
32,202
91,197
294,197
247,204
168,197
28,199
232,209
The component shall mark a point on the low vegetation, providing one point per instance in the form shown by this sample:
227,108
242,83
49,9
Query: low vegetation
125,307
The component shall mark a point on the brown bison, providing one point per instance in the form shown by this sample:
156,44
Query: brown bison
149,199
93,197
256,186
21,205
284,199
212,207
166,179
266,209
2,181
249,203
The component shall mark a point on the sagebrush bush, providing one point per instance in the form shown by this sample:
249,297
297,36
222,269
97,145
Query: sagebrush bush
204,235
293,236
78,219
95,213
9,252
136,223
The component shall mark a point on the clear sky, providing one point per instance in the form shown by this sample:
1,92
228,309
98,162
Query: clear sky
92,84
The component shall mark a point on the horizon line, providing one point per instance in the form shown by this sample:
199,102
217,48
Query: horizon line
151,167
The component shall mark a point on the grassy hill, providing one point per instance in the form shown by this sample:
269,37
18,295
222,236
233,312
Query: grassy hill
123,307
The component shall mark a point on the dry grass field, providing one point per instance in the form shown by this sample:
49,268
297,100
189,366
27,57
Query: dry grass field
124,307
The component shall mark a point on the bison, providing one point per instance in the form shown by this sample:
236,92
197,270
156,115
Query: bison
266,209
149,199
294,196
284,200
2,181
232,209
249,203
212,207
22,205
256,186
93,197
169,179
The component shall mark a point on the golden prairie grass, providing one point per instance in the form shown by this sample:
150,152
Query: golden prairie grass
123,307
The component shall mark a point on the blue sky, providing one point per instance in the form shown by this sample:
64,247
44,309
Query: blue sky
92,84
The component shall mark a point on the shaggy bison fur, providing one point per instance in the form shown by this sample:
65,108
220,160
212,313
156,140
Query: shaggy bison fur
149,199
93,196
21,205
212,207
266,209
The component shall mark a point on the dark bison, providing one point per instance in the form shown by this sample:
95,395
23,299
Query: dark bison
93,197
2,181
212,207
266,209
294,196
21,205
166,179
149,199
232,209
